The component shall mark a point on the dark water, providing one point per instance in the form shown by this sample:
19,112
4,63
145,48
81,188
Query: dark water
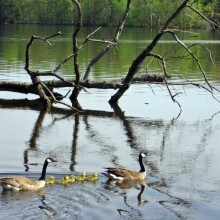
182,153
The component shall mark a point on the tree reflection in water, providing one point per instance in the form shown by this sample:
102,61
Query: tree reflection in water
128,126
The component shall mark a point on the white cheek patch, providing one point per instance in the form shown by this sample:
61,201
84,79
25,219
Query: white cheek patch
143,155
49,161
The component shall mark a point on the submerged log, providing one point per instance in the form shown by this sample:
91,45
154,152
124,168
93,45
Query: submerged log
20,87
25,87
148,78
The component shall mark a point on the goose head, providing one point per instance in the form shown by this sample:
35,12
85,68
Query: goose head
50,160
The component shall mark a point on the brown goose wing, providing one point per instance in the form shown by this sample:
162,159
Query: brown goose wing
125,173
17,181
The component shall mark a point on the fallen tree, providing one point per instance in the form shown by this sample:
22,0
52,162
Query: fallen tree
81,82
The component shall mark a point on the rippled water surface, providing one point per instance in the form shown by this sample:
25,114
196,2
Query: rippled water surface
182,151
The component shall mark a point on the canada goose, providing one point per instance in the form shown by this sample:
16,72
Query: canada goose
126,174
19,183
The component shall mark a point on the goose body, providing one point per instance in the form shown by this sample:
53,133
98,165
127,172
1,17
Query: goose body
20,183
122,174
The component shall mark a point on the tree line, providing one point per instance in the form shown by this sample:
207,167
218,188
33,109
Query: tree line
146,13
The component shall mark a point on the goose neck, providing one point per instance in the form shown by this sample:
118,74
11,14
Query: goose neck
43,174
141,164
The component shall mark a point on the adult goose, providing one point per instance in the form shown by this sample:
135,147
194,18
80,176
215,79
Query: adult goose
122,174
20,183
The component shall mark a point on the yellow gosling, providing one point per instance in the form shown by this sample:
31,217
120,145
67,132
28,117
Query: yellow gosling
66,178
81,178
72,179
63,181
50,180
94,177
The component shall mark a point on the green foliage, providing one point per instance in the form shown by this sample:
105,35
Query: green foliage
36,11
9,11
150,13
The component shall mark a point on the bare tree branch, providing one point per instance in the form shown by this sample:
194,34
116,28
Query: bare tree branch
73,54
35,75
139,60
203,16
192,54
27,60
57,101
202,45
110,44
165,78
75,44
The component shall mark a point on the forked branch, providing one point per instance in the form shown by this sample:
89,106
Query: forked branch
109,45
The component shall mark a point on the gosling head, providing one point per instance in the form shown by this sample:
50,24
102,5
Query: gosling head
52,178
72,177
66,178
95,174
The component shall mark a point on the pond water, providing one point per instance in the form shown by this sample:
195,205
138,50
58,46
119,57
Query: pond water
183,166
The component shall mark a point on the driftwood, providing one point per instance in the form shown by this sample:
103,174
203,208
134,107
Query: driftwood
27,88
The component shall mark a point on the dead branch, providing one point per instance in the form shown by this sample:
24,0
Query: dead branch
75,44
203,16
139,60
27,88
74,53
30,43
148,52
163,62
57,101
35,75
110,44
202,45
192,54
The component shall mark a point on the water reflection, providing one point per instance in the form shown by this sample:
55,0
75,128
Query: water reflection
179,161
140,185
27,197
50,211
38,126
122,188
